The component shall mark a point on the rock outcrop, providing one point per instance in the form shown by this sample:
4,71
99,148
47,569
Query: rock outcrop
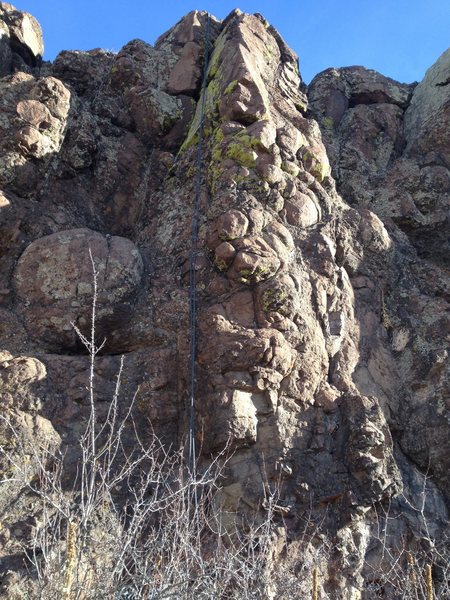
21,44
321,272
389,154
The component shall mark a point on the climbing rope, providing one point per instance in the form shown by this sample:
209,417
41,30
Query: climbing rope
193,262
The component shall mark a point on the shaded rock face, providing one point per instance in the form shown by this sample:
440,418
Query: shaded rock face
322,316
388,143
21,44
389,152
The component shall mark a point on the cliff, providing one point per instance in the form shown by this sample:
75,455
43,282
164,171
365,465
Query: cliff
317,251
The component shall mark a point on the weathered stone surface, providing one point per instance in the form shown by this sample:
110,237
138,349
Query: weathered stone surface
387,156
83,70
54,284
185,76
137,72
357,85
428,113
17,375
322,347
301,210
21,43
186,42
33,117
389,151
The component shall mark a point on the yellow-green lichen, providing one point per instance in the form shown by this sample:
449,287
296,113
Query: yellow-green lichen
242,148
218,136
328,122
215,170
248,141
216,154
211,104
290,168
207,131
254,275
190,140
215,173
214,62
244,275
241,155
212,97
320,171
273,300
231,87
221,264
300,106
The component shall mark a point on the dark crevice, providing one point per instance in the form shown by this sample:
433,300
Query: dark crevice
368,98
25,53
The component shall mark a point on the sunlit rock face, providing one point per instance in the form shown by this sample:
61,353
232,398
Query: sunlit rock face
21,44
321,276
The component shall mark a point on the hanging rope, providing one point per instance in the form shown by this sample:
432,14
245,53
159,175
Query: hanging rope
193,262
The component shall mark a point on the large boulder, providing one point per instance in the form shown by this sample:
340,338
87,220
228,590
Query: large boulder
54,282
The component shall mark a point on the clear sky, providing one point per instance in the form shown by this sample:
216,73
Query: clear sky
399,38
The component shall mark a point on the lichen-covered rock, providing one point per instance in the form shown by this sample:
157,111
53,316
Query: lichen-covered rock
319,257
428,113
18,375
83,70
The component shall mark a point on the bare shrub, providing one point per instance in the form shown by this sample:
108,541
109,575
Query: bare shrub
410,566
134,523
137,524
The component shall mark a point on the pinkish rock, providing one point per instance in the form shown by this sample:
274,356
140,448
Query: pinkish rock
185,76
301,210
231,225
54,284
321,354
224,255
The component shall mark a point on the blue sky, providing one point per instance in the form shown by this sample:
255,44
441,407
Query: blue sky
399,38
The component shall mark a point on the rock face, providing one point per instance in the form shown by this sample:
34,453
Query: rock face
322,276
389,150
52,285
21,44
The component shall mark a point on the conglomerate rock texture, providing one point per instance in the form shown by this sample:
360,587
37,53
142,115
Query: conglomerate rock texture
322,275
